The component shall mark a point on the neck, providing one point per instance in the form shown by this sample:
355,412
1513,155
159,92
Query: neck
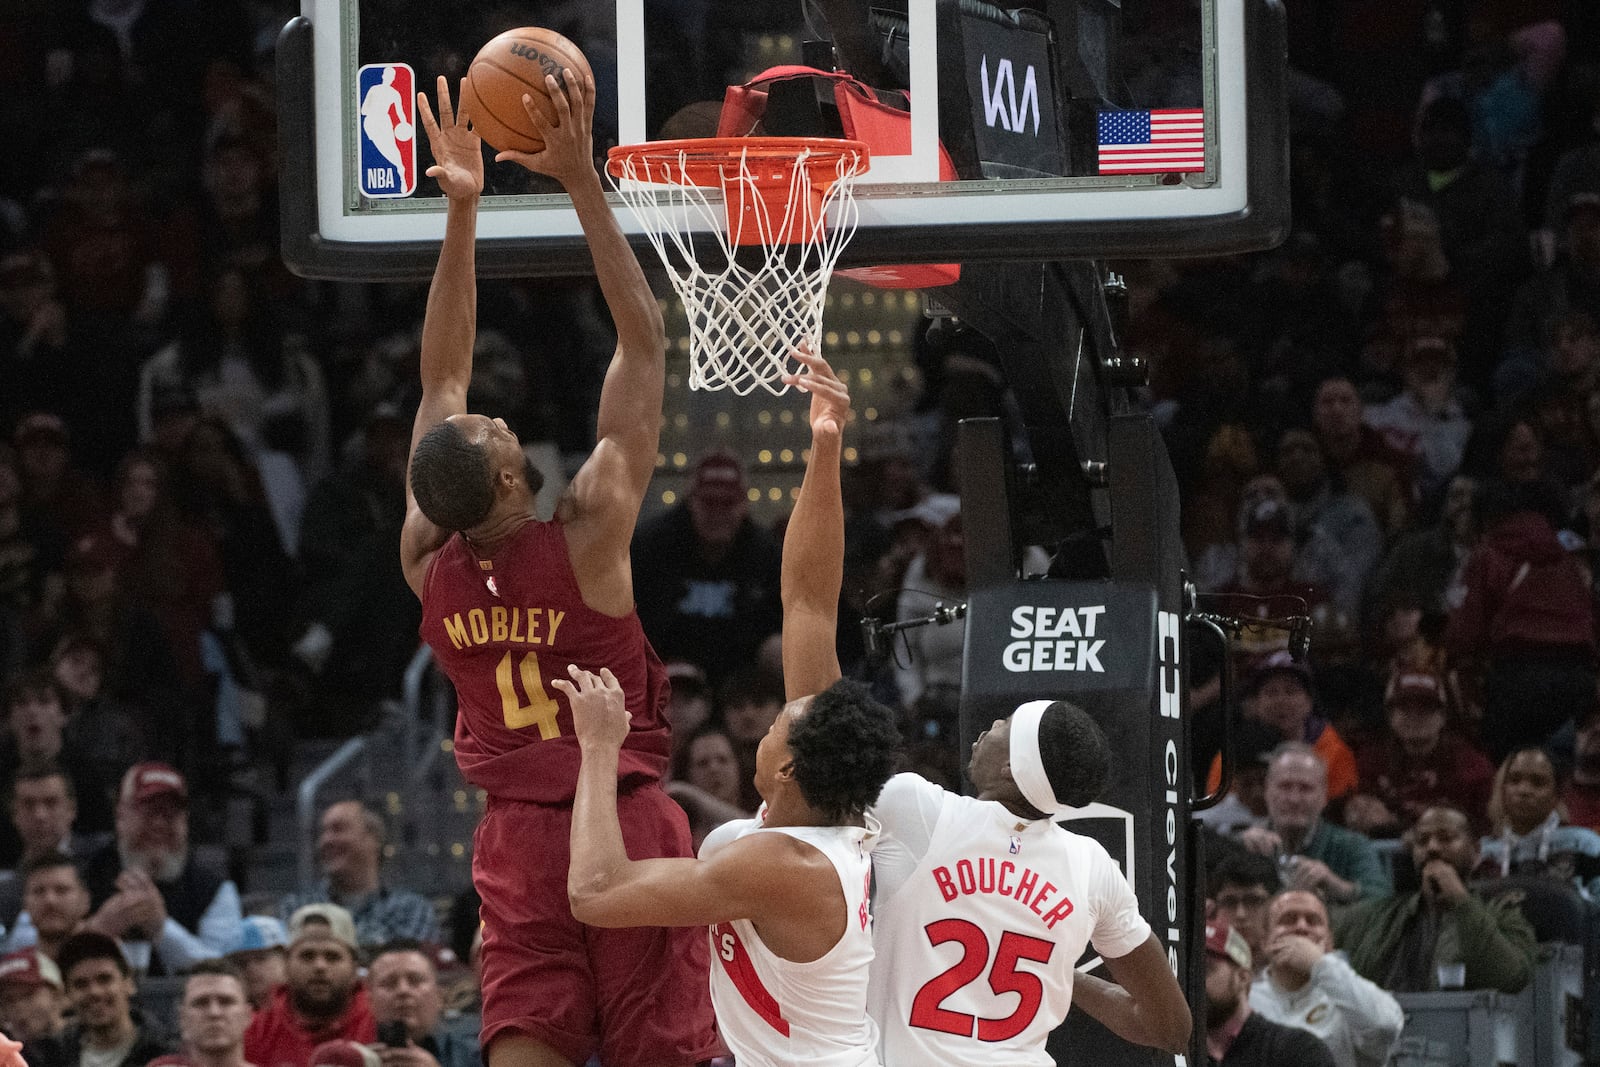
1525,826
1342,446
1013,802
233,1057
354,883
786,811
501,524
116,1035
1295,837
1219,1039
1288,981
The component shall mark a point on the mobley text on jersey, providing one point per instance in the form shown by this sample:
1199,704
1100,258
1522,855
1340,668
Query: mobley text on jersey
985,874
1054,639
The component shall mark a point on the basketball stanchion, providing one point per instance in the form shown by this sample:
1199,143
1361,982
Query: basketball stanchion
788,203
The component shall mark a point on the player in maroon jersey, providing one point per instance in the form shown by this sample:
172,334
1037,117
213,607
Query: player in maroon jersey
510,602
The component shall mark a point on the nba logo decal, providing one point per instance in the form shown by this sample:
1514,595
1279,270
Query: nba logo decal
387,106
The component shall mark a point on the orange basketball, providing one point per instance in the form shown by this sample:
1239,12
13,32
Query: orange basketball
512,65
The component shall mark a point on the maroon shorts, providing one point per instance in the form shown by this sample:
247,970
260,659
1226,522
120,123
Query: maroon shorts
639,996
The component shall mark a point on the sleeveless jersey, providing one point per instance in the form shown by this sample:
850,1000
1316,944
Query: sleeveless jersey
980,918
774,1012
501,629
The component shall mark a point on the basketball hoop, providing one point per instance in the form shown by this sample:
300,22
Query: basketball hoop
769,196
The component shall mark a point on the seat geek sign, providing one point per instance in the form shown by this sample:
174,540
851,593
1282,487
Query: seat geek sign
1053,637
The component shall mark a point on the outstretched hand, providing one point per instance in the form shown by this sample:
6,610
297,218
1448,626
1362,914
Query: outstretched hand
830,398
568,152
599,707
457,149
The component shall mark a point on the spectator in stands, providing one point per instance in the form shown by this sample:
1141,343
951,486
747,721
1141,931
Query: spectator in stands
105,734
106,1029
936,575
57,497
350,850
705,575
213,1014
1356,452
1240,885
1527,612
1236,1035
1246,803
748,702
55,903
148,887
1582,794
29,559
1313,853
705,782
1318,500
260,955
1426,421
43,806
1421,572
1417,763
1528,831
1573,282
1442,935
1307,984
323,999
1281,695
404,988
32,996
35,733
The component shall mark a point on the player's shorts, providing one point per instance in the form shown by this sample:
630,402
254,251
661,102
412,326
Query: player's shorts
638,997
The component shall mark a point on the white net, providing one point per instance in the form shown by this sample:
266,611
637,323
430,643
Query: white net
790,215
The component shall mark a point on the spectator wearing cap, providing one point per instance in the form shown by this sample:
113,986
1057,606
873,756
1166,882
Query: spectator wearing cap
323,999
1359,455
32,996
43,808
1237,1036
1442,935
705,576
56,496
1313,853
361,618
1306,984
936,575
106,1029
1581,797
1529,833
213,1014
1527,613
1426,420
55,905
404,986
350,850
1281,694
1417,763
260,955
1317,499
147,887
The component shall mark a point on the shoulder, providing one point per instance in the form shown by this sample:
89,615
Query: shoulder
905,795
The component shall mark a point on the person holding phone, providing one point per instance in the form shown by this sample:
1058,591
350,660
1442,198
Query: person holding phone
403,985
1443,936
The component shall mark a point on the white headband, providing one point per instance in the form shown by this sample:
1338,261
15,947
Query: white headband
1027,766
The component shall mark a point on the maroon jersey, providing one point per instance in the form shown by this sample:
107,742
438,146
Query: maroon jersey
502,629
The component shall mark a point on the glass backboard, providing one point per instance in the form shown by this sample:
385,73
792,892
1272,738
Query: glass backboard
1066,130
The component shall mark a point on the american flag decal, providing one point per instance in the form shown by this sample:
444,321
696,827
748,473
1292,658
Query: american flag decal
1152,142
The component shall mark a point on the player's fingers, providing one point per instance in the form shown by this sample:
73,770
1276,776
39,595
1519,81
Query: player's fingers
608,678
565,687
425,112
559,99
447,111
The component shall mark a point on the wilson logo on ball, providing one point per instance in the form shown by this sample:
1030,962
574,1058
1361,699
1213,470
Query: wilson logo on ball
549,64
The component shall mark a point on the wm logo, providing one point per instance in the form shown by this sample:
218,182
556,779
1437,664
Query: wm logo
1000,104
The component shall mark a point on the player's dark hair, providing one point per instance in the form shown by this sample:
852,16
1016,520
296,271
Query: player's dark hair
451,478
1075,754
845,747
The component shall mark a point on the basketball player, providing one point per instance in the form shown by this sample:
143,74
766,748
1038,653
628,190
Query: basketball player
785,893
509,602
983,905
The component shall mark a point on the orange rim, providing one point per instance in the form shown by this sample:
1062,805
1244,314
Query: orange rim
704,160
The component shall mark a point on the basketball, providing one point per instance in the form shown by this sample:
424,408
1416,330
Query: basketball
512,65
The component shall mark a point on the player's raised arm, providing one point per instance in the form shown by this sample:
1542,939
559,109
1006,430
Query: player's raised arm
813,544
606,888
612,484
449,326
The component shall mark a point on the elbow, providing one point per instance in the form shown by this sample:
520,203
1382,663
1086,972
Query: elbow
1176,1031
589,900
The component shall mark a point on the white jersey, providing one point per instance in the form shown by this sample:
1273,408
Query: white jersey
774,1012
980,918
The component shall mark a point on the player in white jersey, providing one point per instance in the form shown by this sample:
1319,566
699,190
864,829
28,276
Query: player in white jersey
785,894
984,905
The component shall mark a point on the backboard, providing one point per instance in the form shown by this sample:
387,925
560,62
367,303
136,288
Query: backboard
1074,129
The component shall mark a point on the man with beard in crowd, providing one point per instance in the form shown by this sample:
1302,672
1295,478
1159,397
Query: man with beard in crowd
146,887
1236,1036
323,1000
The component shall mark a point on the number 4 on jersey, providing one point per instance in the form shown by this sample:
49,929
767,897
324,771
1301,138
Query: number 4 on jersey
541,709
927,1010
